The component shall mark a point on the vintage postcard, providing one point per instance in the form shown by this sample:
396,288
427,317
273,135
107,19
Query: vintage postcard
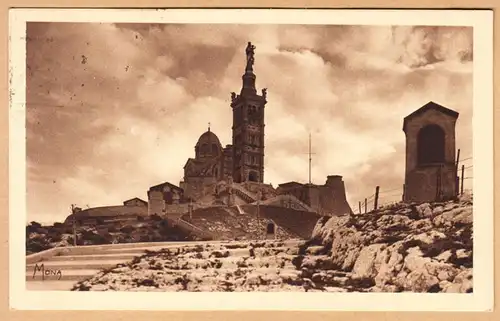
267,159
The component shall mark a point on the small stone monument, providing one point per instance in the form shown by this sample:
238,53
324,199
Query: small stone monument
431,168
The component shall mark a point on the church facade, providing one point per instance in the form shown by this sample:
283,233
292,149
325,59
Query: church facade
239,162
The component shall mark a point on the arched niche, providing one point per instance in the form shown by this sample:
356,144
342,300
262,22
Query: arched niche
253,176
430,145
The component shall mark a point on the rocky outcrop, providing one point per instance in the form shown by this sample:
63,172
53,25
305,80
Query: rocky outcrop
417,247
400,248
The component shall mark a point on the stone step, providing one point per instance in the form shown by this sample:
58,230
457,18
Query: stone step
50,285
89,257
213,246
73,265
263,252
245,252
126,247
215,273
230,264
67,275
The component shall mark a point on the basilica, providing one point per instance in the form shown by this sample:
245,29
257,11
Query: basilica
234,174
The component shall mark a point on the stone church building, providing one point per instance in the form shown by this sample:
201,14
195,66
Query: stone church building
234,174
243,160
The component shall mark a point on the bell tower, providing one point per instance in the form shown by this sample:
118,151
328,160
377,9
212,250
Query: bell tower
248,126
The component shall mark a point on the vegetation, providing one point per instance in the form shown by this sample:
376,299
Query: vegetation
148,229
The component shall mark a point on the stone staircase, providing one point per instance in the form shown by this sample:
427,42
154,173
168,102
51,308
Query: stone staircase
244,194
266,265
258,265
61,268
288,201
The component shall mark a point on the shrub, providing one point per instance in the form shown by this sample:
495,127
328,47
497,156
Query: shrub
89,238
35,224
55,237
37,244
68,230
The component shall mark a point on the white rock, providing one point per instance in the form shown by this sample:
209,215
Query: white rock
313,250
444,257
462,253
424,210
444,275
430,236
364,266
420,281
437,210
414,260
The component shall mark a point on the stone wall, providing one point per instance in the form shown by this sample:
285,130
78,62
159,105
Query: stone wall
197,187
333,198
156,203
427,186
326,199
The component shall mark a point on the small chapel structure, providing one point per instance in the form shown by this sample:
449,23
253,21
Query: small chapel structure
431,168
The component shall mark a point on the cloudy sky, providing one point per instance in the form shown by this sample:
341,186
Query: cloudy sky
114,109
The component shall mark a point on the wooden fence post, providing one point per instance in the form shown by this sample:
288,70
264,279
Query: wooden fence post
462,178
375,205
74,224
366,204
457,182
360,207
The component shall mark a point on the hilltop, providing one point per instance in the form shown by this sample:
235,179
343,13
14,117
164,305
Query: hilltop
209,223
402,247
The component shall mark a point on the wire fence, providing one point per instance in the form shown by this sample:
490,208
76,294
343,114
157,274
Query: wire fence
385,197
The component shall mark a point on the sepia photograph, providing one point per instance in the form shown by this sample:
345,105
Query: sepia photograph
170,155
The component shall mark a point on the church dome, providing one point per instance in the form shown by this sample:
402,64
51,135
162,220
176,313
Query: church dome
208,145
208,137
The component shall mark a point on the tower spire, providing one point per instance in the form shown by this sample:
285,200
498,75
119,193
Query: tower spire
249,76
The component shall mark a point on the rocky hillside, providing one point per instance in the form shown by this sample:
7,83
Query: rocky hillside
147,229
416,248
228,224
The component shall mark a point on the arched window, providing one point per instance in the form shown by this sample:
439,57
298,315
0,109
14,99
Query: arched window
270,228
168,197
205,149
430,145
252,176
214,149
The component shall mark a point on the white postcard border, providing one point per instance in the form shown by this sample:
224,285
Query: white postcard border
480,300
